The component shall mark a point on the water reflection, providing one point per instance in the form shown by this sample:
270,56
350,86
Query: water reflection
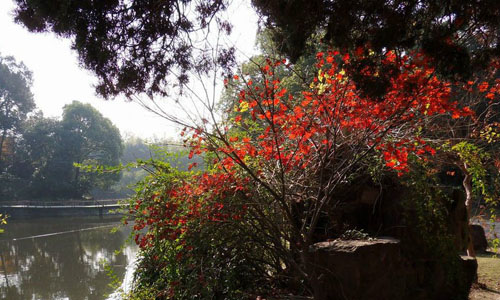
54,259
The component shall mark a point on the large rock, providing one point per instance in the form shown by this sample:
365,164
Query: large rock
432,229
478,238
376,269
356,269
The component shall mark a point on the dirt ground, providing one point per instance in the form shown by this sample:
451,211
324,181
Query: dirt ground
482,293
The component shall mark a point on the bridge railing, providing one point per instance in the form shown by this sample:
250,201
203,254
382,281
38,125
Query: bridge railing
66,203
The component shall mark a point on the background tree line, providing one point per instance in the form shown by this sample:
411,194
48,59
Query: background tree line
39,154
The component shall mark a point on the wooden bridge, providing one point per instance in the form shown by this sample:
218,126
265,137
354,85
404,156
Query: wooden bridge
38,208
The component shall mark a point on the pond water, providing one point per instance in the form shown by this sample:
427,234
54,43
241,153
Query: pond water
63,258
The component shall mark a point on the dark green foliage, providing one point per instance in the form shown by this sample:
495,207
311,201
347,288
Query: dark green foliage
294,22
47,150
132,46
16,101
35,164
435,224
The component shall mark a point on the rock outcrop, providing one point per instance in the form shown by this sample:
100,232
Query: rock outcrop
478,238
357,269
421,260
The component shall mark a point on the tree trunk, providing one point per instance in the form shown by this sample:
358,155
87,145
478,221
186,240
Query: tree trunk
467,183
2,140
76,193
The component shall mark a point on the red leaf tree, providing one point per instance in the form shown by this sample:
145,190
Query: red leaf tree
276,165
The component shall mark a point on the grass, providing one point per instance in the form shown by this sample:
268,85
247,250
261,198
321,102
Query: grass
489,271
488,287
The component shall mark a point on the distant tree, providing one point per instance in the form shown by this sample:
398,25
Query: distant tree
33,165
87,138
43,165
137,156
135,148
16,100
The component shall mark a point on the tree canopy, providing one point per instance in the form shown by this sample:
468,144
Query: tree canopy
47,149
89,138
16,99
133,46
459,37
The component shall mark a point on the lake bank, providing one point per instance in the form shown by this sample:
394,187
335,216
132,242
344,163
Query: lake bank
70,208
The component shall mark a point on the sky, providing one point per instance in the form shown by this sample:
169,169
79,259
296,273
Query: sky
59,80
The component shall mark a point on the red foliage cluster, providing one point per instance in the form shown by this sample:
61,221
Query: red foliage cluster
169,214
334,112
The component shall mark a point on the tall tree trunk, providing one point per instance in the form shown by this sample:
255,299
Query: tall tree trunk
2,140
467,183
76,193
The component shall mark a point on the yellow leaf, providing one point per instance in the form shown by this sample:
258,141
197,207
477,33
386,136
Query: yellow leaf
243,106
